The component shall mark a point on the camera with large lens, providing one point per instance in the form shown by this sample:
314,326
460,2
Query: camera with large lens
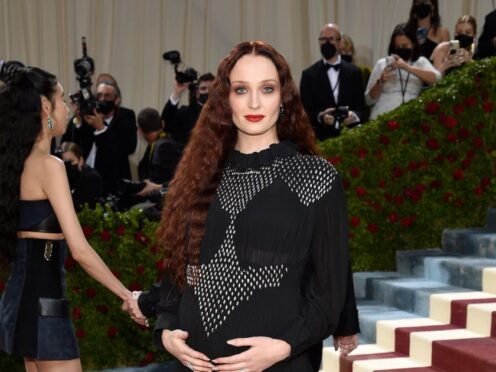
84,99
189,75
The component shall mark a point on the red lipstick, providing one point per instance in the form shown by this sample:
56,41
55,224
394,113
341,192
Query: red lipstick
254,118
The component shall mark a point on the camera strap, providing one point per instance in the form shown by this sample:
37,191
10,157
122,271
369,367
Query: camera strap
403,88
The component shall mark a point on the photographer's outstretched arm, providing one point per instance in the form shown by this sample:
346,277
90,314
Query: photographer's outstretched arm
57,190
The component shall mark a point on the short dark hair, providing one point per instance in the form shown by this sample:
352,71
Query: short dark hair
149,120
206,77
403,30
113,84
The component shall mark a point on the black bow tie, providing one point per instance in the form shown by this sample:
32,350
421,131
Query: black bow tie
336,67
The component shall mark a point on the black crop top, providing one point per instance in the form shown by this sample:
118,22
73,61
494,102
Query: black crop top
37,216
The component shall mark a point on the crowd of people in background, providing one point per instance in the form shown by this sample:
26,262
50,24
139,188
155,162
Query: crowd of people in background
335,91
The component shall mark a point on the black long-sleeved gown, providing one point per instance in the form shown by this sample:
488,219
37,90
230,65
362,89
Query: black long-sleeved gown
274,260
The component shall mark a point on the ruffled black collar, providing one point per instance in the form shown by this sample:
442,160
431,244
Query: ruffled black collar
266,157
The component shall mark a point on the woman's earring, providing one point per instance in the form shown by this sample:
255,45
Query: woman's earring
281,110
50,123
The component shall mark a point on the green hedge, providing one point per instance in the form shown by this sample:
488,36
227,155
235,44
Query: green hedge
426,166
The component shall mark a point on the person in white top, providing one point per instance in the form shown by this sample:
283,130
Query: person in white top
399,78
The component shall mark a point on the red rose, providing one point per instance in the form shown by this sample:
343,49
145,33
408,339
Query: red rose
487,107
80,333
160,265
87,231
355,221
398,200
435,184
479,190
384,139
397,171
478,142
69,262
75,289
362,153
420,187
458,109
407,221
426,128
112,332
448,121
465,163
335,160
140,237
91,292
76,313
470,101
102,309
105,235
486,181
134,286
382,184
355,172
372,227
140,269
413,165
121,229
463,133
360,191
393,217
458,174
432,107
346,183
393,125
432,144
447,196
451,137
451,158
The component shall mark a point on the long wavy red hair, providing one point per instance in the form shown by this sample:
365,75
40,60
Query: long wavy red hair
198,173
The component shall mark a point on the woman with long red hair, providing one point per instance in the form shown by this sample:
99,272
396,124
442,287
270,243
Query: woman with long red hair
254,231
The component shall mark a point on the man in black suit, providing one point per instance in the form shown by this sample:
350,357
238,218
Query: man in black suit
487,41
329,84
107,137
180,121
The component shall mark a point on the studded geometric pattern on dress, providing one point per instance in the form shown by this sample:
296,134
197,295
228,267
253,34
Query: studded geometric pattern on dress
222,284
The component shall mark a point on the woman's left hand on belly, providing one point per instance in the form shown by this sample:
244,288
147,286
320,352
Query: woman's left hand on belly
263,352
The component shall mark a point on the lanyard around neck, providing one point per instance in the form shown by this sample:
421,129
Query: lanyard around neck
403,88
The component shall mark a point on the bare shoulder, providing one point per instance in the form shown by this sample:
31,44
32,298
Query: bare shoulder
51,163
443,34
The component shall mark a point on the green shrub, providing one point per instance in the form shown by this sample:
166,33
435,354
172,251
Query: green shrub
426,166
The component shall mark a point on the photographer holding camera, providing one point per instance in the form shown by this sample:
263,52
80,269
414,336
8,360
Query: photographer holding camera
107,135
179,121
332,89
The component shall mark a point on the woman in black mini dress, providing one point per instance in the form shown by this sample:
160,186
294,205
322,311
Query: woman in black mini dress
37,224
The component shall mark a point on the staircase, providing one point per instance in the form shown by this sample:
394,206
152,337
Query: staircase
437,313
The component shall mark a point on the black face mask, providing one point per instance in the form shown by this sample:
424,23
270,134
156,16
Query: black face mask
404,53
202,98
328,50
422,10
465,40
347,57
105,107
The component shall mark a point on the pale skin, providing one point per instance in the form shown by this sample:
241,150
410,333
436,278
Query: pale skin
390,73
441,57
332,35
255,90
35,185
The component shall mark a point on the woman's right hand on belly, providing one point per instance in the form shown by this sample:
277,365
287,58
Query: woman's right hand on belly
175,343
